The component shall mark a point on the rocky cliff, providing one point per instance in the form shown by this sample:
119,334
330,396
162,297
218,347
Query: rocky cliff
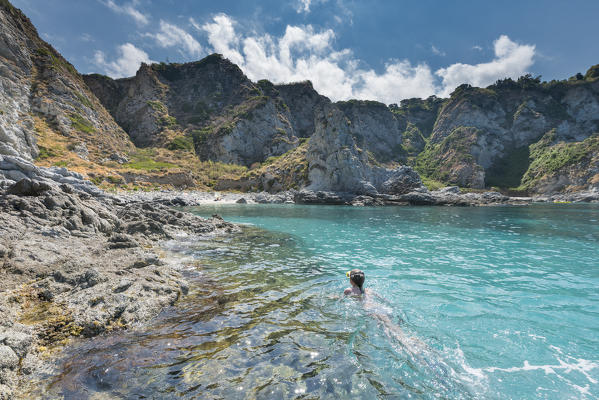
336,162
41,91
501,135
210,102
479,137
206,124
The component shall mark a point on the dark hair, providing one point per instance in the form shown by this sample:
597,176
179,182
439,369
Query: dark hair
357,277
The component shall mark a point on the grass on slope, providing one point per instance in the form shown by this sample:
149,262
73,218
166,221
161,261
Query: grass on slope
549,159
147,164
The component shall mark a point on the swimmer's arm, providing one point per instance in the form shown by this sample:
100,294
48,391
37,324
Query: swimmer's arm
347,291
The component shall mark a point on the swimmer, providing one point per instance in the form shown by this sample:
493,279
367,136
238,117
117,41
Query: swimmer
356,279
415,348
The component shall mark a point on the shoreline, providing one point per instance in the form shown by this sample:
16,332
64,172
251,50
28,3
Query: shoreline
449,196
79,262
76,265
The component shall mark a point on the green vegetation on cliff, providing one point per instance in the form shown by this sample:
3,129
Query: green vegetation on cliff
549,158
443,161
81,124
55,60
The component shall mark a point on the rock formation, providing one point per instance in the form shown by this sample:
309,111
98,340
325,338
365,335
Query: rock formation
376,129
336,163
40,87
499,135
525,135
229,118
77,262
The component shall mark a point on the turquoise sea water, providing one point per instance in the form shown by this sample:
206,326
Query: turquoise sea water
490,303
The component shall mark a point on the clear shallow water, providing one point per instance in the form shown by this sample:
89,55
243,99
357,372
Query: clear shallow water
497,302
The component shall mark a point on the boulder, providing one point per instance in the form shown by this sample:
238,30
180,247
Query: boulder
28,187
19,342
8,358
401,180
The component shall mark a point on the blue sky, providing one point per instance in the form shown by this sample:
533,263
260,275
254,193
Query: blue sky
380,50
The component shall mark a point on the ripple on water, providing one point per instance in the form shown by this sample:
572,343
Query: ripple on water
476,303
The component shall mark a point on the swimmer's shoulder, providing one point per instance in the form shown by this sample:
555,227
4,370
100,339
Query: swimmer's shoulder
347,291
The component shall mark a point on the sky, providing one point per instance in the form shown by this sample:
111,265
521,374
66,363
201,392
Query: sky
380,50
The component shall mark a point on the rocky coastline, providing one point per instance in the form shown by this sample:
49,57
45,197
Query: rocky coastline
77,262
448,196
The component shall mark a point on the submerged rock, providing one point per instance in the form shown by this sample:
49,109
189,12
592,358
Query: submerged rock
79,262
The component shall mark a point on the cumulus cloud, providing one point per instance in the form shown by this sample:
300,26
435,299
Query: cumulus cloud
130,10
400,80
302,53
221,36
511,60
127,64
173,36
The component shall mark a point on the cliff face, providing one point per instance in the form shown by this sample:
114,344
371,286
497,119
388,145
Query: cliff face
376,129
39,87
496,136
528,135
336,162
303,103
479,137
229,118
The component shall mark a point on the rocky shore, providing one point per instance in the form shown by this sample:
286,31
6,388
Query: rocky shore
75,261
449,196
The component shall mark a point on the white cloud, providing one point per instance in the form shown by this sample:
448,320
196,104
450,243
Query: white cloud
477,47
400,80
221,35
437,52
303,53
130,10
130,58
511,60
173,36
303,6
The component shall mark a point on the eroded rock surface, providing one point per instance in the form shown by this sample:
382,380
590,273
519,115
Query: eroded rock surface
337,164
40,89
77,262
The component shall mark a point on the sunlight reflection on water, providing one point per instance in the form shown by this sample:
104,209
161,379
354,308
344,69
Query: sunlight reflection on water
493,303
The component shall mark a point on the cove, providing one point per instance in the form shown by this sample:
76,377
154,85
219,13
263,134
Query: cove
489,302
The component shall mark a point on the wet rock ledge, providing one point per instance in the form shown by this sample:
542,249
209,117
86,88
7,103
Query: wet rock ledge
76,262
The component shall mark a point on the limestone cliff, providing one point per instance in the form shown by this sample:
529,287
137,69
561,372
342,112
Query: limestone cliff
375,128
42,91
229,118
485,136
303,103
335,162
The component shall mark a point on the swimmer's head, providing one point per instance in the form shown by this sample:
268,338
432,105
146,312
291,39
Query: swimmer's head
357,277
